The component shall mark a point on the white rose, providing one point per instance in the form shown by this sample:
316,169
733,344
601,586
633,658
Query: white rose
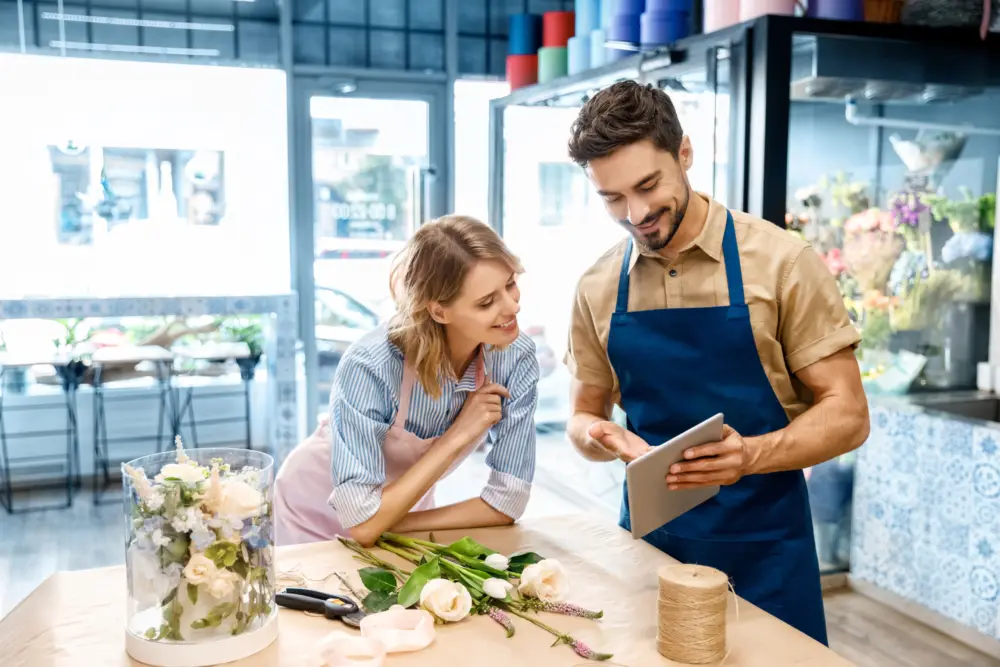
222,585
200,569
150,581
182,471
497,588
546,580
497,561
445,599
240,500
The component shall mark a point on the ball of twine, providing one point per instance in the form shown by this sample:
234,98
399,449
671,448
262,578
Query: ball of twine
691,614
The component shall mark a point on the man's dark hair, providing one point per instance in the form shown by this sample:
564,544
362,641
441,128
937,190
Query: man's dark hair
622,114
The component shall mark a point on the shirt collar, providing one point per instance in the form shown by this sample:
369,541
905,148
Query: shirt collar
468,381
709,240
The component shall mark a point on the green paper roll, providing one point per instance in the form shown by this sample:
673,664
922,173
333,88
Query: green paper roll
553,62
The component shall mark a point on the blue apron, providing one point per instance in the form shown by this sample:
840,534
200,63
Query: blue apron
679,366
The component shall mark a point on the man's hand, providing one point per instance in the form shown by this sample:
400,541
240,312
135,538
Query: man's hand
618,441
721,463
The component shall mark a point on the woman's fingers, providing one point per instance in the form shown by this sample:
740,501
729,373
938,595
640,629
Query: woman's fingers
494,389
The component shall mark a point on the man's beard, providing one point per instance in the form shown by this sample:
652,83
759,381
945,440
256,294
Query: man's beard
655,244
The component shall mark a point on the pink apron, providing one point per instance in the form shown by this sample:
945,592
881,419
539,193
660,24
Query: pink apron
304,484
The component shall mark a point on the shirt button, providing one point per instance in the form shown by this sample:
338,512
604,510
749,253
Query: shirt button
673,273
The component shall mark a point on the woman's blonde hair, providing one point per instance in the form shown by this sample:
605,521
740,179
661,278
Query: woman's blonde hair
432,267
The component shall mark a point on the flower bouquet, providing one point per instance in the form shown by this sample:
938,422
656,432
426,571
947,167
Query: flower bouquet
199,556
455,580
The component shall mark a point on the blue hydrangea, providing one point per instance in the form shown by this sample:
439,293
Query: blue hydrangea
906,270
968,245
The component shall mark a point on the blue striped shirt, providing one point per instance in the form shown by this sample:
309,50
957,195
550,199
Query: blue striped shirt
364,401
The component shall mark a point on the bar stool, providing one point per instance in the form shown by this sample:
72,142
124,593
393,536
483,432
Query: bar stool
71,373
162,361
214,353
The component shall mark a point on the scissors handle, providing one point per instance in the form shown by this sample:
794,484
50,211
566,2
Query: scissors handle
305,599
300,603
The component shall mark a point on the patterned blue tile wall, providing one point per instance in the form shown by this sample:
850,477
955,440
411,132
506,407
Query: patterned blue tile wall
926,517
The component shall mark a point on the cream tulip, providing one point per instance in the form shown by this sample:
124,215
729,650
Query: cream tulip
497,561
497,588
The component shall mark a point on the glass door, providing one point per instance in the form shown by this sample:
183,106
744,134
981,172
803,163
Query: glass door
370,173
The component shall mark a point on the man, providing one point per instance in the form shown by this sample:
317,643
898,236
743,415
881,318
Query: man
704,311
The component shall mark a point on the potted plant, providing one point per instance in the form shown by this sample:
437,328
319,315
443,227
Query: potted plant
250,332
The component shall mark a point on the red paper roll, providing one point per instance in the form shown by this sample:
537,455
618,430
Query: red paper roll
557,28
522,70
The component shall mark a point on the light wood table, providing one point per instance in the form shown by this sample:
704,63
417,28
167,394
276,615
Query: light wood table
78,618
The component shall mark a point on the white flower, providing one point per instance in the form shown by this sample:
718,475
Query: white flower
497,561
445,599
155,500
184,472
159,539
188,520
200,569
223,584
239,499
497,588
151,583
545,580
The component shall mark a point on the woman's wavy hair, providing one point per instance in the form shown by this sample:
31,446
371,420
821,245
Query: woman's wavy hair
432,267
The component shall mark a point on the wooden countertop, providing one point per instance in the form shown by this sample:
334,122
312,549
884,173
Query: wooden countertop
78,618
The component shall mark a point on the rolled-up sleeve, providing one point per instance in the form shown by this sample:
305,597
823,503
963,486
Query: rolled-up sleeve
360,409
512,458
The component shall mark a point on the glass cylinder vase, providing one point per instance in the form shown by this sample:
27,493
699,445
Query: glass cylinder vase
199,556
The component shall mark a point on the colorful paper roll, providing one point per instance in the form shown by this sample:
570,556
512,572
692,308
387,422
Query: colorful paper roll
720,14
664,6
608,8
579,54
625,28
664,28
630,7
588,16
553,62
557,28
524,34
522,70
597,49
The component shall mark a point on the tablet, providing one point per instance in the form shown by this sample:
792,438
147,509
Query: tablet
651,503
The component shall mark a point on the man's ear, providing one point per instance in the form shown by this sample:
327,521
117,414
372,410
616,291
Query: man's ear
686,153
438,313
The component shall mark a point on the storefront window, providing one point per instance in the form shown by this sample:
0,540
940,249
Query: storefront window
141,179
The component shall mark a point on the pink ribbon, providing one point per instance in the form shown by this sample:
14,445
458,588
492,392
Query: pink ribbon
984,27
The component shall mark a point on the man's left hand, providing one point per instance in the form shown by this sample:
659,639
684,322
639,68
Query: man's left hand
723,463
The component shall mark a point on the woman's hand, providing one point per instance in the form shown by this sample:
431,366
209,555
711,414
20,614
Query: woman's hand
481,410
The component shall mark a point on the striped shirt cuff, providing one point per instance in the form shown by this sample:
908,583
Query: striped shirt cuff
355,503
506,493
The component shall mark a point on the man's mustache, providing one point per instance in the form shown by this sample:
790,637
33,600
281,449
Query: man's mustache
652,217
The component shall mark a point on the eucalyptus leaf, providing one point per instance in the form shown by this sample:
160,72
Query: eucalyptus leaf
518,562
192,593
409,594
469,547
377,601
378,579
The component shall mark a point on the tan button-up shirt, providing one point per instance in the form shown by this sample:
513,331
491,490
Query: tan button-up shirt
797,314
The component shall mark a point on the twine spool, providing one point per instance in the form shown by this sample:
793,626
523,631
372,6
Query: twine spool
691,614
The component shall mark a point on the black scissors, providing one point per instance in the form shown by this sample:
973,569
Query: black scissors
334,607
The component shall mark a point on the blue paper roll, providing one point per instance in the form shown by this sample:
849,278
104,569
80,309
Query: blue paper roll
625,28
588,16
664,28
597,49
579,54
614,55
630,6
524,36
664,6
608,8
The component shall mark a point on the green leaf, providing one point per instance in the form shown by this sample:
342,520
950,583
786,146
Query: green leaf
520,561
192,593
170,596
378,579
409,594
150,633
241,568
377,601
469,547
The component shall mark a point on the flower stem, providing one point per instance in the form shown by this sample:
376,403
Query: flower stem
372,558
579,647
402,553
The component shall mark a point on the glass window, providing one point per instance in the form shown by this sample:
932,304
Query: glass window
177,186
897,191
472,144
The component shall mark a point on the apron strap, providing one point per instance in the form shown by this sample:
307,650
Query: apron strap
621,306
731,256
405,388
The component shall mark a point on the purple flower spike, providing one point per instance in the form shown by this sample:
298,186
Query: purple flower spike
568,609
503,619
585,651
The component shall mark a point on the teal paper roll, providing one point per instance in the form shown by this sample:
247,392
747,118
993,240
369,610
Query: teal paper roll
597,52
553,62
579,54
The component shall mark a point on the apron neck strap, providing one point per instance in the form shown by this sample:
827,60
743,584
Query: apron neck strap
730,255
405,389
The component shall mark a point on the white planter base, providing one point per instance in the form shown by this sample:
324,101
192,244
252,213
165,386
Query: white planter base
193,654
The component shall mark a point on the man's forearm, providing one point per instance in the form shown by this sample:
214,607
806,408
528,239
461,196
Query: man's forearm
834,426
577,431
471,513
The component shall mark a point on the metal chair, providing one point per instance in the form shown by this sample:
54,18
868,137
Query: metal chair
71,373
214,353
162,361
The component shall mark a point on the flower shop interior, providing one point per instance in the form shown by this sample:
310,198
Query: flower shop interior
190,271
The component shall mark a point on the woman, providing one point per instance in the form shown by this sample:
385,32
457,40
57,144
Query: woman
414,397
